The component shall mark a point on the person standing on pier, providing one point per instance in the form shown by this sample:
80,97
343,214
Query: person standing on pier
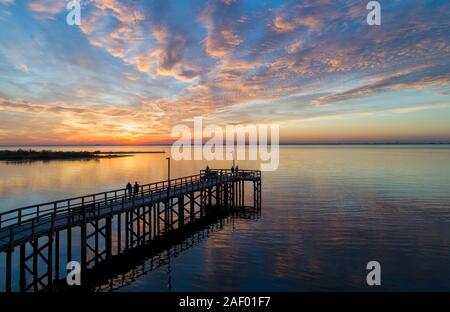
136,188
129,190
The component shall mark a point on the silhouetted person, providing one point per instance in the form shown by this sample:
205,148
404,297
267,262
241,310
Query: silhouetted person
207,169
136,188
236,169
129,189
232,169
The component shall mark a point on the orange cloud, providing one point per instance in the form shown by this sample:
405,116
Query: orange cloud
220,40
47,6
281,25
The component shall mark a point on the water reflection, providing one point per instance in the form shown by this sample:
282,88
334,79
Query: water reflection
327,211
141,265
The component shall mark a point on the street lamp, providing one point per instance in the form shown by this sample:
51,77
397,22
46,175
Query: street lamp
168,178
168,169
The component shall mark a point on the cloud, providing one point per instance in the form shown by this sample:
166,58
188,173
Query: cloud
46,6
130,40
294,47
280,24
427,78
23,68
126,14
168,56
221,39
7,2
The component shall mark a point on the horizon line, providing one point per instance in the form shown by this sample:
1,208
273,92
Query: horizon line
281,144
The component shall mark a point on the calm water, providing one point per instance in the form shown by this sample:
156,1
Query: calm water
326,212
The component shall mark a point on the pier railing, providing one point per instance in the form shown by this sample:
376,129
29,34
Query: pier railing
52,209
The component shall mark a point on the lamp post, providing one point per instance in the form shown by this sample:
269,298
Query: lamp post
168,169
168,179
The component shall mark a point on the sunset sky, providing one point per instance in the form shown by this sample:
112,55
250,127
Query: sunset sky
134,69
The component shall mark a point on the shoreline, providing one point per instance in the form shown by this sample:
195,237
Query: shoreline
33,155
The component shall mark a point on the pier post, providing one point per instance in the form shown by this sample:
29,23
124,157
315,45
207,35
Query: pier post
150,222
217,196
50,261
226,195
192,207
69,243
171,207
22,281
9,261
181,211
108,241
155,220
202,202
259,194
234,194
56,255
127,234
209,197
83,253
254,195
240,194
35,262
119,233
243,194
96,232
158,223
138,225
166,216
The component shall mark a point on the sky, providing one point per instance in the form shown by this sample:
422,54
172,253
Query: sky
135,69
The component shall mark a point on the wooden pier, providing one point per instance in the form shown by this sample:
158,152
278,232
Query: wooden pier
158,211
